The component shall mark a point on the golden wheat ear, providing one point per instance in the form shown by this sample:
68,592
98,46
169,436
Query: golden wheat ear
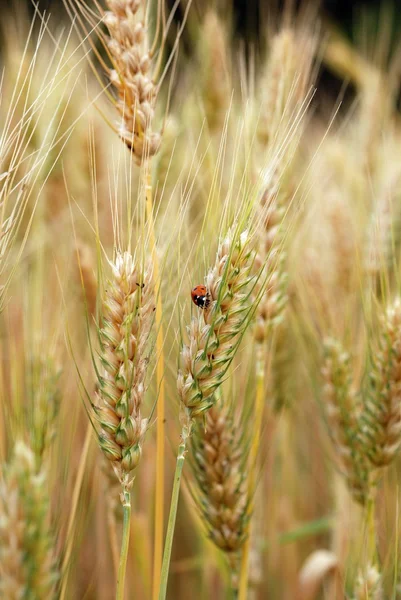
132,75
220,491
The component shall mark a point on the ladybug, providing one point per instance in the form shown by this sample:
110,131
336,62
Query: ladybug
200,296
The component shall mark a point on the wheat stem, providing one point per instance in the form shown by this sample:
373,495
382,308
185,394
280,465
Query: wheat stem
159,494
371,557
111,522
259,405
75,499
124,545
185,434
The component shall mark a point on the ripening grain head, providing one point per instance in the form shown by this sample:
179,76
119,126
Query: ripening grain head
215,332
381,417
27,544
132,75
126,321
220,489
341,409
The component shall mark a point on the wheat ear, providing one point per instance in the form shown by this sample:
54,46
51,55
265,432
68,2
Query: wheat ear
381,416
214,333
221,491
28,566
368,585
127,317
342,416
271,261
132,75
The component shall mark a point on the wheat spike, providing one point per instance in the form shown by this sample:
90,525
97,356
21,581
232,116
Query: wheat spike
127,311
27,556
215,332
381,417
221,490
342,416
368,585
270,261
132,75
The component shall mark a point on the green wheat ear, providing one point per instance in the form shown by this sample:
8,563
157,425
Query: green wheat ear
127,319
214,333
342,412
380,420
28,566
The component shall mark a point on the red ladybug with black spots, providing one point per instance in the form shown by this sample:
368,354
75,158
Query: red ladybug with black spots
200,296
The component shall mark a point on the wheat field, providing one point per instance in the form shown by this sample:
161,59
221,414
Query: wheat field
200,324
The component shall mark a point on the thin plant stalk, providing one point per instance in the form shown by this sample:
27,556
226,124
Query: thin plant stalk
111,522
160,426
124,545
253,454
371,557
185,434
75,499
233,594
